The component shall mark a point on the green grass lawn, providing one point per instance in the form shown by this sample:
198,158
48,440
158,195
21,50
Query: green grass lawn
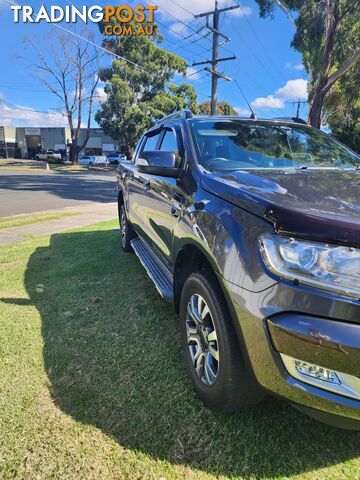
27,219
92,382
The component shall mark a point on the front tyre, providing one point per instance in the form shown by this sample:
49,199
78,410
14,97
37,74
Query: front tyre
126,231
212,353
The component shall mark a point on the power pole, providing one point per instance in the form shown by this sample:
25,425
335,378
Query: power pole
214,70
298,103
215,59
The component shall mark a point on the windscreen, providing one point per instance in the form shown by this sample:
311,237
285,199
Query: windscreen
228,145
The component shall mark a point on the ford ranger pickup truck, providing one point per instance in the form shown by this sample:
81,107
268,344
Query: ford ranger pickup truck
252,229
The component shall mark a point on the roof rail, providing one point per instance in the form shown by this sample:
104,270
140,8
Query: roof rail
291,119
178,114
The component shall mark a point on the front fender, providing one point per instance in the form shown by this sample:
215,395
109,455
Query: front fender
228,237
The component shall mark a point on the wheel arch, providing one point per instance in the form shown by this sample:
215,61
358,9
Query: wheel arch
190,259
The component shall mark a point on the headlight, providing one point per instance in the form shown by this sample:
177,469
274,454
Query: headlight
323,266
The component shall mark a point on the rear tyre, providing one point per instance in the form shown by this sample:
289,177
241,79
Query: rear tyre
126,231
212,353
91,164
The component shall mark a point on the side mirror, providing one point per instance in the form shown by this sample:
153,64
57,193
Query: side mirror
157,162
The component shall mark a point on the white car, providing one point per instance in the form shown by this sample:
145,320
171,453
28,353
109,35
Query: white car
116,158
48,154
92,160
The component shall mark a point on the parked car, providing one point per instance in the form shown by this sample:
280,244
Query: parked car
252,229
92,160
48,155
116,158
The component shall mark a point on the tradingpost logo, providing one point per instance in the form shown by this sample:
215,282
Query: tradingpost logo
137,20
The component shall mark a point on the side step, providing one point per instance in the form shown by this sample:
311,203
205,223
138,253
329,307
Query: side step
156,270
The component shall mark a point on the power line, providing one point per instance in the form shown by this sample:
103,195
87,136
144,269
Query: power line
253,81
265,105
174,31
180,21
202,37
252,52
183,8
264,48
100,47
182,38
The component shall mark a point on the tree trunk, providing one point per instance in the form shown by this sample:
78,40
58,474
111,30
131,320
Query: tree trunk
315,109
76,155
316,104
74,149
73,154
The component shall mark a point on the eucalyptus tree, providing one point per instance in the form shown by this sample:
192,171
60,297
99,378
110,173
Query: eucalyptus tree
138,85
327,34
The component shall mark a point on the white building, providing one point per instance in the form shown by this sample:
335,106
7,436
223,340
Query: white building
26,142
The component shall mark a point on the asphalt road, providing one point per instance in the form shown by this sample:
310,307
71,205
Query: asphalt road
27,192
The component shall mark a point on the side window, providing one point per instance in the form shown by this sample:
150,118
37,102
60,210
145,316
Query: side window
151,142
146,144
170,144
137,150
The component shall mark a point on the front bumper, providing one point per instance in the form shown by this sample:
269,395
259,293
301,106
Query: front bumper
309,325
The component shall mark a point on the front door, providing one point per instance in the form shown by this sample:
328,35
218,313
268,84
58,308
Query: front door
137,185
164,198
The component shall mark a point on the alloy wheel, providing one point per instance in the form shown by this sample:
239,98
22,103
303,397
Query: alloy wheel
202,340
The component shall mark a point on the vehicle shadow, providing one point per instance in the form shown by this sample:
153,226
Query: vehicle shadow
113,359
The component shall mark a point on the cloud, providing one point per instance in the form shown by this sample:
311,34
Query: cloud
192,74
186,9
294,89
24,116
294,66
242,111
179,28
268,102
100,94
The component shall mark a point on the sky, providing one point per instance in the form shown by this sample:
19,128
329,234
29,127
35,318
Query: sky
267,70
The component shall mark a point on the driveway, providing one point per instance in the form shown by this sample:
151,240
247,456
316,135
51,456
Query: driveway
27,192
